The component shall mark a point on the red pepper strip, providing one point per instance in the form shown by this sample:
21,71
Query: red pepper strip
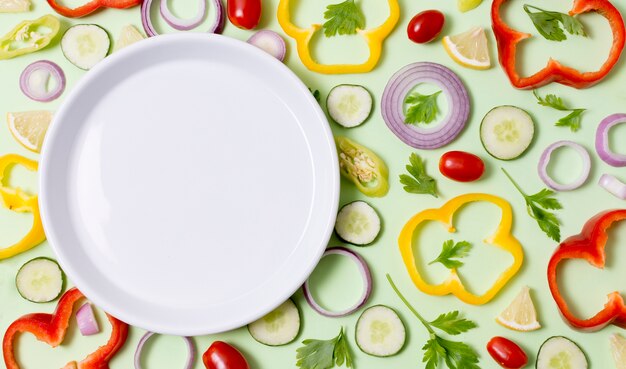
589,245
554,71
51,329
91,7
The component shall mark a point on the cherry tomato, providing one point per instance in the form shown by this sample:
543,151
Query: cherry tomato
507,353
244,13
461,166
425,26
221,355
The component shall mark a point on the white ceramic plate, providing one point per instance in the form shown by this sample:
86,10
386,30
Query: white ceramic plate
189,184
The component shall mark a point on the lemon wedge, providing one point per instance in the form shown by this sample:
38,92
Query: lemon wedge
467,5
470,48
129,35
29,127
618,347
520,315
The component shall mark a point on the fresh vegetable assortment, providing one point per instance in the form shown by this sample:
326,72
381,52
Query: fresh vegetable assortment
426,106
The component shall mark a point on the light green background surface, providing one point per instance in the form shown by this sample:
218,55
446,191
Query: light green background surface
338,281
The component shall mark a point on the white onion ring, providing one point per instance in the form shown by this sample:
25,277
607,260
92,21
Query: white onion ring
602,140
402,82
270,42
545,160
367,282
86,320
613,185
183,24
37,90
146,20
190,346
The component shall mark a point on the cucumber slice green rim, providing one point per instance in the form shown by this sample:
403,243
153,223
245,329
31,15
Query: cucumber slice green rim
40,280
560,352
279,327
97,49
349,105
507,139
380,331
358,223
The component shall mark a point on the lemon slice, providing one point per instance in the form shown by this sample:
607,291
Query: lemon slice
129,35
618,347
29,127
521,314
466,5
470,49
14,6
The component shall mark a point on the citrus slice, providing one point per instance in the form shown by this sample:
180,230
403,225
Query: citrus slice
467,5
129,35
520,315
29,127
470,48
14,6
618,347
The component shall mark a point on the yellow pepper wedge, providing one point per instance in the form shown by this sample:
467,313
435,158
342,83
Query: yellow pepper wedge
303,36
501,238
17,200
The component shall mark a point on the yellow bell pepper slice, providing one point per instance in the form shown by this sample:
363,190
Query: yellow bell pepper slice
501,238
17,200
303,36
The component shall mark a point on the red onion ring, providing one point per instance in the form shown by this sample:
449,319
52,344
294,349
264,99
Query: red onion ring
183,24
613,185
270,42
402,82
190,346
367,282
602,140
146,20
86,320
545,160
37,90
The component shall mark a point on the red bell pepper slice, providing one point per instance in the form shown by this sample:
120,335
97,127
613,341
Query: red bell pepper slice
51,329
589,245
554,71
91,7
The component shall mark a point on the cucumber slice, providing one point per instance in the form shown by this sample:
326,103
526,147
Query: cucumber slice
506,132
84,45
40,280
561,353
279,327
357,223
349,105
380,331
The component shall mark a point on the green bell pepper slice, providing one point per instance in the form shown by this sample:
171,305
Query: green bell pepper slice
363,167
29,36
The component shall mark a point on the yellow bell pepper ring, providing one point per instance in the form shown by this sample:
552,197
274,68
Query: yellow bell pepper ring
18,201
303,36
501,238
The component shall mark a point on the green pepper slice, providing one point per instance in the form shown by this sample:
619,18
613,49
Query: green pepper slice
29,36
363,167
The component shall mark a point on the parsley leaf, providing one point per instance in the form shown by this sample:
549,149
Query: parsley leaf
422,109
548,23
452,324
572,120
538,206
324,354
316,94
421,182
343,18
451,251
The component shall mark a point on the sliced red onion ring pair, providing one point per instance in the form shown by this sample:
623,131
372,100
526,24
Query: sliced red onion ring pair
190,346
35,77
602,140
182,24
545,160
367,284
402,82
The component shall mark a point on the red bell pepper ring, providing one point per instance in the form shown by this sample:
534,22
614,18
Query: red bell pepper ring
589,245
554,71
51,329
91,7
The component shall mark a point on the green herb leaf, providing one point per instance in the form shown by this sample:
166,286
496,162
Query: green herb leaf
343,18
572,120
422,109
452,324
548,23
433,353
324,354
458,354
451,251
551,101
420,182
316,94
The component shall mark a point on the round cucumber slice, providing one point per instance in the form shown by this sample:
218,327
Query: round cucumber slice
380,331
84,45
561,353
358,223
40,280
349,105
506,132
279,327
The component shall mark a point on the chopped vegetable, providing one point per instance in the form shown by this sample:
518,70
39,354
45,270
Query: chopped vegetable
589,245
358,223
467,5
344,19
561,353
270,42
349,105
418,182
183,24
363,167
501,238
572,120
452,251
35,78
422,108
506,132
85,45
221,355
86,320
521,314
29,127
425,26
244,14
469,49
52,328
613,186
461,166
91,7
191,349
216,27
549,23
507,353
399,86
508,40
618,349
455,354
380,331
602,140
544,161
279,327
365,275
316,94
29,36
324,354
14,6
128,36
40,280
538,206
303,36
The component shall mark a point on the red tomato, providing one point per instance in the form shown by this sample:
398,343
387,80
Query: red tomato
244,13
461,166
507,353
425,26
221,355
